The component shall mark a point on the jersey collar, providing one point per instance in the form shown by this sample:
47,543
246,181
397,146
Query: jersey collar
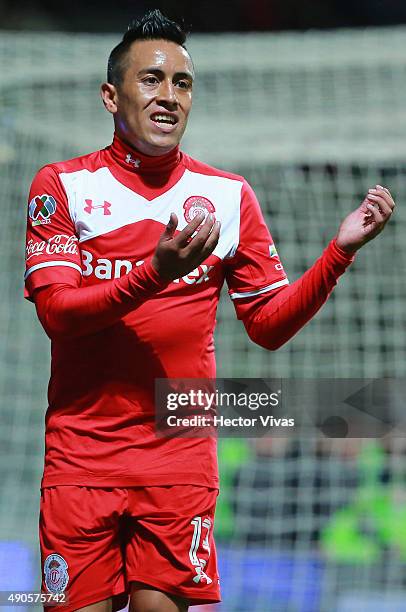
135,162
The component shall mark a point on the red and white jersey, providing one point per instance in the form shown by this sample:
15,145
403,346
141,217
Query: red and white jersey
102,214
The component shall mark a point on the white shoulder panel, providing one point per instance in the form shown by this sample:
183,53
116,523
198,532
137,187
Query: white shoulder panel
99,204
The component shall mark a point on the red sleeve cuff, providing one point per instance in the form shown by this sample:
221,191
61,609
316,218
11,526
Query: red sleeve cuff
68,275
145,280
153,275
339,254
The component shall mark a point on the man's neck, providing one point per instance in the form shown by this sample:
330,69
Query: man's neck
136,161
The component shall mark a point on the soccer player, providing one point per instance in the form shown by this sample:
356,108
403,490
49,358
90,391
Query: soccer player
125,262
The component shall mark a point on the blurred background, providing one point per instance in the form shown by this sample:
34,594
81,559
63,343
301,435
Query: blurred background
205,16
308,101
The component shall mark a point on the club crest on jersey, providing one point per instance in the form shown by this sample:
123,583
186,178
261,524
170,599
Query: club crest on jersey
56,573
41,208
196,204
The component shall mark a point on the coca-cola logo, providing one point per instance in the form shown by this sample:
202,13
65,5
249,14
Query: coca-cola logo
57,245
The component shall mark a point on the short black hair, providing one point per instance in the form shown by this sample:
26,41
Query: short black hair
151,26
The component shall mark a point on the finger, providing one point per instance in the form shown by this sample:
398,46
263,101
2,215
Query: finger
211,241
374,193
375,213
199,240
385,194
384,208
384,188
208,247
183,237
170,228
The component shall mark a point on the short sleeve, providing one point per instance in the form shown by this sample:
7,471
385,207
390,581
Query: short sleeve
255,267
52,251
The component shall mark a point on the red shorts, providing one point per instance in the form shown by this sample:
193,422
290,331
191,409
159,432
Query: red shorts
95,541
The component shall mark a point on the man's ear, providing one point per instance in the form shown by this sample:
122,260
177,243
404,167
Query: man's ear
108,94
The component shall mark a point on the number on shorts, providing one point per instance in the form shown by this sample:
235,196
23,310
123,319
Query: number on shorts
198,524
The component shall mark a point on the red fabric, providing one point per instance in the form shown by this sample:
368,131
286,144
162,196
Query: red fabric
127,533
67,312
158,173
273,319
50,242
252,266
116,329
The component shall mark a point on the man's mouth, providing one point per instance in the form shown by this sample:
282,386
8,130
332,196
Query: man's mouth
165,122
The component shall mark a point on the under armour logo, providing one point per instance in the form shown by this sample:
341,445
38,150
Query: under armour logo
105,206
135,162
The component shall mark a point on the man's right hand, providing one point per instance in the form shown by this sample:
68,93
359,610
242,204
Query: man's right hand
177,256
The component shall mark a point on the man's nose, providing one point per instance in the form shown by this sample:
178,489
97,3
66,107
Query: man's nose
167,92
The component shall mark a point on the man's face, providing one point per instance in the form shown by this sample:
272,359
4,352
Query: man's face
154,98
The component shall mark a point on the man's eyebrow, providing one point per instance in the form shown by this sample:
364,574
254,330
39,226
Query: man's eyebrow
159,72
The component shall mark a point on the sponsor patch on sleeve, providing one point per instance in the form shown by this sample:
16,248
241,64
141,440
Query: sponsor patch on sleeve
41,208
60,244
272,251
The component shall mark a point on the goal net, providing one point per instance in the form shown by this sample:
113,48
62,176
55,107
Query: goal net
312,121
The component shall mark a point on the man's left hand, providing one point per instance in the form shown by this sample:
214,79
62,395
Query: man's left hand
367,221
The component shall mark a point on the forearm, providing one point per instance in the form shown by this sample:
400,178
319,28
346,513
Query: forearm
68,312
272,321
